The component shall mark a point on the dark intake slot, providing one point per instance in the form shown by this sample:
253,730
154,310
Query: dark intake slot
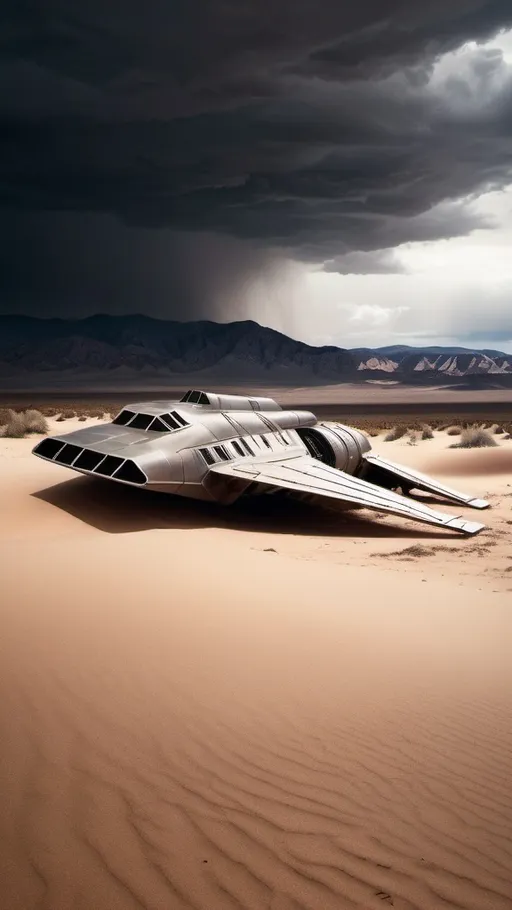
109,465
68,454
48,447
88,460
131,473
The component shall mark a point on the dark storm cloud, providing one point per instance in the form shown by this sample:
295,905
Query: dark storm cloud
59,264
378,262
312,128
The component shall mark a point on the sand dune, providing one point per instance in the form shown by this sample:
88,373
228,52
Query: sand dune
474,462
217,709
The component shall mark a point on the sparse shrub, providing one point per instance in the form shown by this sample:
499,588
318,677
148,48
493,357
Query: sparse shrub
427,431
454,431
21,423
475,438
413,438
35,422
82,417
395,433
15,426
497,429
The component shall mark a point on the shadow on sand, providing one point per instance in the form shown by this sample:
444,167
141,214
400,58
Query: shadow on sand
117,509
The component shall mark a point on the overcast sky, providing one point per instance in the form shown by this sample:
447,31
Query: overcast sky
341,172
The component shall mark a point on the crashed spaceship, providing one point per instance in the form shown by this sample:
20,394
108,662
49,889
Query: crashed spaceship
217,447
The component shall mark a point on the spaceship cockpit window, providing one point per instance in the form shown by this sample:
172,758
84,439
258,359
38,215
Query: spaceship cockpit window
158,426
141,421
123,417
194,396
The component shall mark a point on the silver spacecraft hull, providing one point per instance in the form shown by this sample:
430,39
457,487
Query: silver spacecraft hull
219,447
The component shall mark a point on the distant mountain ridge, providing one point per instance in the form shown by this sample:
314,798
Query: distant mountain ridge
131,345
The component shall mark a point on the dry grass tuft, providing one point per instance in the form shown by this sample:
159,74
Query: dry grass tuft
413,552
475,438
15,427
21,423
412,438
395,433
35,421
454,431
427,431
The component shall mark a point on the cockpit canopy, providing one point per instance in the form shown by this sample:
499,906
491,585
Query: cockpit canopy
161,423
193,396
229,402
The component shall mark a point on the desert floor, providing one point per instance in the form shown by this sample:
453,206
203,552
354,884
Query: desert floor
248,708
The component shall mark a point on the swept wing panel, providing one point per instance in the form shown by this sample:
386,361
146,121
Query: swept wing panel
414,479
306,475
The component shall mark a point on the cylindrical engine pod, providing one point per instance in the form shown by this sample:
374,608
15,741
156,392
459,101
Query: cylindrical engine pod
339,446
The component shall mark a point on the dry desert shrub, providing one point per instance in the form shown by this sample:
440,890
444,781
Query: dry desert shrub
427,431
412,438
394,434
454,431
475,438
35,422
21,423
66,414
15,426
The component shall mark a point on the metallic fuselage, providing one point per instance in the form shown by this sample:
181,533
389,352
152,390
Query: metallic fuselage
217,447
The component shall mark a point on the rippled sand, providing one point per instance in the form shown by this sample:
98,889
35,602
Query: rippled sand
190,719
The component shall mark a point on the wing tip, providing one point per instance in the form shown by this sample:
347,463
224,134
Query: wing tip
478,503
465,527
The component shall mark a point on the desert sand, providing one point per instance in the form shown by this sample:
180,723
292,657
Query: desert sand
241,708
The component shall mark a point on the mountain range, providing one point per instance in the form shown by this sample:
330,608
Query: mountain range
129,346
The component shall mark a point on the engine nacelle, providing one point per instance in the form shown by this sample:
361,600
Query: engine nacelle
334,444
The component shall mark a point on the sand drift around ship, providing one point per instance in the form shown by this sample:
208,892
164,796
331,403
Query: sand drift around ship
219,447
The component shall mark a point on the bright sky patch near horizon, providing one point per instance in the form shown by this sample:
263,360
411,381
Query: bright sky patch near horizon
454,291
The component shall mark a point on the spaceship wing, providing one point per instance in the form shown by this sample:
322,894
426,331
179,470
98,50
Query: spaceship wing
303,474
389,471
